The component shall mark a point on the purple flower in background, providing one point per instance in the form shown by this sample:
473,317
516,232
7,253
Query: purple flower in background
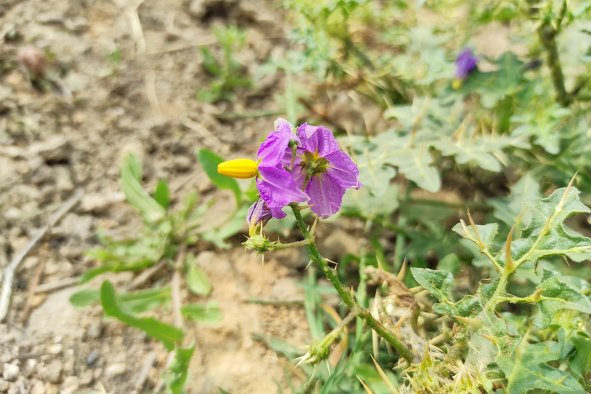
275,183
465,64
323,170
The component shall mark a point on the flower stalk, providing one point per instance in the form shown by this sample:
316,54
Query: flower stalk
345,295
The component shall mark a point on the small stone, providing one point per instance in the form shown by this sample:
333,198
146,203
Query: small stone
94,330
37,387
55,349
4,386
10,372
115,370
71,385
53,371
92,358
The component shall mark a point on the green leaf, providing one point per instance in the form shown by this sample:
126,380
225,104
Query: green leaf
363,203
144,300
165,333
209,313
209,161
197,279
484,232
546,234
580,363
131,173
416,164
162,194
179,370
135,301
524,193
556,294
438,283
527,369
85,297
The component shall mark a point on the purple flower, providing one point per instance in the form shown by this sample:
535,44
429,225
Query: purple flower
465,64
291,168
275,183
323,170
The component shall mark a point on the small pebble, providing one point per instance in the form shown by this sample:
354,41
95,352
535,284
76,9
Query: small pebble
4,385
53,371
115,370
92,358
37,387
10,372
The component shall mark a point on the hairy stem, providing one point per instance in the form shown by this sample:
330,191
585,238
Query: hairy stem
345,295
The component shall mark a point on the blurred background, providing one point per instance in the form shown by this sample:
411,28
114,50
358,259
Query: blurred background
85,83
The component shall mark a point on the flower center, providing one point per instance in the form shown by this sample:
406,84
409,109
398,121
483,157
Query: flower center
314,164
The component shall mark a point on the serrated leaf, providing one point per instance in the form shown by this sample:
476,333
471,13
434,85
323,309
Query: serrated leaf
438,283
179,369
162,194
416,165
527,369
556,294
546,234
135,194
580,362
209,161
363,203
197,279
484,232
209,313
169,335
524,193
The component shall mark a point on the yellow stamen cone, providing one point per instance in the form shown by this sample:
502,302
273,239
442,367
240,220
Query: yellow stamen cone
238,168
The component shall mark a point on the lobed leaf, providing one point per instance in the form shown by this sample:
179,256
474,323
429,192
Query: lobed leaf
438,283
527,369
556,294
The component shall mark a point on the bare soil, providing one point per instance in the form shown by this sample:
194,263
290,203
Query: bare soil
121,77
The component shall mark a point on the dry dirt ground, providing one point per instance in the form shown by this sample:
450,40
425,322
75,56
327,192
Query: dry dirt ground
70,132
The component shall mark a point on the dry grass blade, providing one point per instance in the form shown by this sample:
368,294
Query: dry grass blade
384,377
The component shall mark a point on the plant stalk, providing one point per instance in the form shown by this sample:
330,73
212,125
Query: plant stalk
345,295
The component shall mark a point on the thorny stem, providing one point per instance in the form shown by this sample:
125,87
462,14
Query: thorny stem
345,295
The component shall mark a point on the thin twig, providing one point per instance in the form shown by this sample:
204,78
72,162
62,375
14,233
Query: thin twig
8,275
57,285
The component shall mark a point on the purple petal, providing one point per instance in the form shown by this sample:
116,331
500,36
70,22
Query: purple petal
273,150
282,125
278,213
465,63
326,195
257,213
342,169
299,174
277,187
317,139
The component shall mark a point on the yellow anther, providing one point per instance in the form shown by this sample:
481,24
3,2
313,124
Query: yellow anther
238,168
